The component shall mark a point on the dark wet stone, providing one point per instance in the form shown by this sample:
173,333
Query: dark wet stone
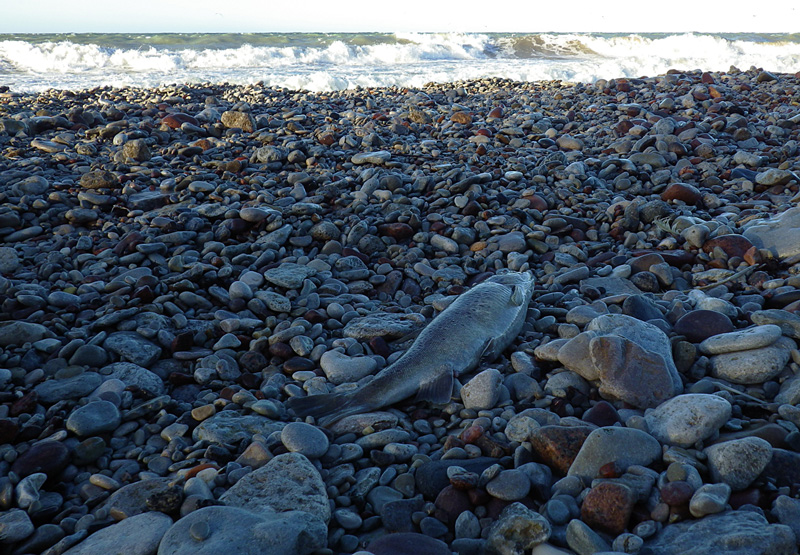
699,325
405,543
431,477
450,503
732,245
602,414
396,515
50,457
784,468
641,308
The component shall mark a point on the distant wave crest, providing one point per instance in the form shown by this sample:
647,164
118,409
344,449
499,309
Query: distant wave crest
324,62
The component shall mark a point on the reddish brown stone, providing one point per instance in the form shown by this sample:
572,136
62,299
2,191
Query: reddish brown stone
707,78
8,430
451,502
602,414
557,446
471,434
50,457
753,256
25,404
699,325
607,507
397,230
326,139
496,112
177,119
537,202
732,245
461,117
676,493
683,192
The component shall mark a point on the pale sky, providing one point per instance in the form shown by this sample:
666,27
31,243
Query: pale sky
154,16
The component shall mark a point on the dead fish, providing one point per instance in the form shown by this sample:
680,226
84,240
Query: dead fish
479,325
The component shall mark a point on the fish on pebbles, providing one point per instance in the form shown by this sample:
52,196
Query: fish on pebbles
479,325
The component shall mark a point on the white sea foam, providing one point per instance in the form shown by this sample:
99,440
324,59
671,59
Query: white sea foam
410,59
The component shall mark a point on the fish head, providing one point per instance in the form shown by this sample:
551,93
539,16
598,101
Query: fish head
520,283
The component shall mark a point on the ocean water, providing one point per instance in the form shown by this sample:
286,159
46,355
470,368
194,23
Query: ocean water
321,62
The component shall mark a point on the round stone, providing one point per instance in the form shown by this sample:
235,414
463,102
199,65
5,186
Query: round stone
687,419
509,485
94,418
699,325
738,462
299,437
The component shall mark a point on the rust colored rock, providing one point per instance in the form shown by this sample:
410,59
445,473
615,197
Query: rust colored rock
753,256
676,493
732,245
608,507
557,446
683,192
707,78
461,117
177,119
471,434
397,230
643,263
495,112
326,139
537,202
699,325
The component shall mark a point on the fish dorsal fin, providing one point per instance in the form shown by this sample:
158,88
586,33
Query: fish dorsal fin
517,296
439,389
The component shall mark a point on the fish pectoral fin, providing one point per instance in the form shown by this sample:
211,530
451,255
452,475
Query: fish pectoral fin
517,296
439,389
488,354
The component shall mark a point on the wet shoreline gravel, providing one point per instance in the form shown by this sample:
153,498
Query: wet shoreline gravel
177,262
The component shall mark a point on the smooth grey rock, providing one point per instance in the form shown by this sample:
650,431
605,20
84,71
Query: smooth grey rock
340,368
219,529
787,510
753,366
299,437
15,525
94,418
738,462
741,340
583,540
378,157
137,535
731,533
9,260
686,419
18,333
509,485
483,391
624,446
231,427
289,482
131,499
709,499
788,322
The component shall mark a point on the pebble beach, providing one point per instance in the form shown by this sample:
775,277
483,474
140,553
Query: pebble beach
177,262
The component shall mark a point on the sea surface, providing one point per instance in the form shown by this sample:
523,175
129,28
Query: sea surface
331,61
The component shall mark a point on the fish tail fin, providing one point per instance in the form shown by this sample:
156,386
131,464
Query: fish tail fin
326,408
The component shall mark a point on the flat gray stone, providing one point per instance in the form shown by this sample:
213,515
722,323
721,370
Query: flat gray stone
753,366
133,374
289,275
787,510
289,482
305,439
378,157
15,525
132,347
788,322
709,499
729,533
131,499
686,419
75,387
741,340
138,535
9,260
777,234
219,529
231,427
624,446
